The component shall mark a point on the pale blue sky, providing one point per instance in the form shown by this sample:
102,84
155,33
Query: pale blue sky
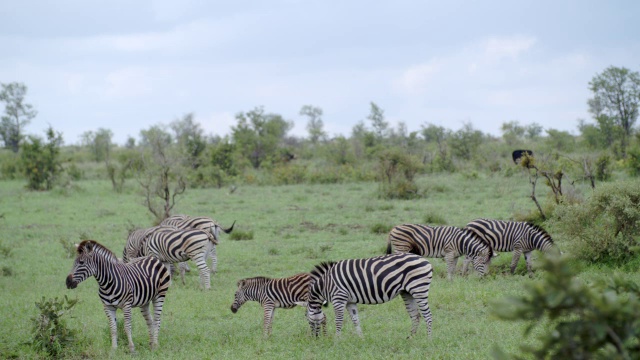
127,65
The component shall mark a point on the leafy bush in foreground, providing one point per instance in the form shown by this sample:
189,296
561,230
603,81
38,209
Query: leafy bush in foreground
601,321
50,332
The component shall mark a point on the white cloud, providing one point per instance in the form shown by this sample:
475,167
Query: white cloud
416,78
128,82
510,47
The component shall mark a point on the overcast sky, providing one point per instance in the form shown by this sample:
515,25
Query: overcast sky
127,65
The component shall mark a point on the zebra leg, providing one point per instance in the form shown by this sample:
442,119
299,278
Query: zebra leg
527,258
353,312
423,305
201,263
111,315
452,261
157,315
338,308
514,262
412,309
184,266
465,265
127,326
150,323
268,318
214,258
182,271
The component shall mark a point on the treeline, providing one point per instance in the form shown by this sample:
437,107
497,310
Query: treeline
260,150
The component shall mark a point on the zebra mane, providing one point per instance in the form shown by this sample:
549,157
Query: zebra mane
93,245
254,280
541,230
321,269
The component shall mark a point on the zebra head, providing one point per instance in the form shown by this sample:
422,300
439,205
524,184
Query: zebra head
481,253
317,296
247,290
84,266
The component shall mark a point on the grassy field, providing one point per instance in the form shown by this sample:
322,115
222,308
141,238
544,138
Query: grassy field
294,228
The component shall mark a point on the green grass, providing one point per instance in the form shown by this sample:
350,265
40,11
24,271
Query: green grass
293,228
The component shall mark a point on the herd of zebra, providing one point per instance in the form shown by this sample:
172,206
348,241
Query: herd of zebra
142,277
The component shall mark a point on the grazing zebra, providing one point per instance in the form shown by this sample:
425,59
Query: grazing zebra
505,236
202,223
440,241
136,238
179,245
138,284
370,281
273,293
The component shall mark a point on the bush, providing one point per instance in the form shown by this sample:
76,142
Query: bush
379,228
397,171
241,235
50,333
434,219
598,321
605,228
603,167
41,161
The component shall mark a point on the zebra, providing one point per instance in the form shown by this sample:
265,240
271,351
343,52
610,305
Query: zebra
179,245
273,293
202,223
374,280
449,242
138,284
505,236
136,239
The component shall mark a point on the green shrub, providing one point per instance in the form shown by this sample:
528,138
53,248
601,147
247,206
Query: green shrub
605,228
603,167
9,165
597,321
287,174
632,163
379,228
396,173
434,219
241,235
41,161
50,332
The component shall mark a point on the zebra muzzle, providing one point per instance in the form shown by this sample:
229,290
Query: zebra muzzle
234,309
70,283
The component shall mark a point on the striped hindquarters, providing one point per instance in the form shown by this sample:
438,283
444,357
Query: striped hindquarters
175,246
505,236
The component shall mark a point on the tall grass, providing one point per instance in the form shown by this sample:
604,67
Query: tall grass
294,227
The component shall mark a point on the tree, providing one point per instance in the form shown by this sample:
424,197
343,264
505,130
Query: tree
99,143
41,161
465,142
190,141
616,94
17,115
314,125
258,135
376,116
162,176
512,132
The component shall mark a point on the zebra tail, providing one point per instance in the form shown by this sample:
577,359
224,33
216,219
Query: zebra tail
230,229
389,250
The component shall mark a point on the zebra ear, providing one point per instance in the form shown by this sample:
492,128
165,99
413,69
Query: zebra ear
76,245
88,247
240,283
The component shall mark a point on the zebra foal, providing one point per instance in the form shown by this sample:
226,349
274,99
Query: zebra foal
201,223
271,293
137,284
370,281
512,236
449,242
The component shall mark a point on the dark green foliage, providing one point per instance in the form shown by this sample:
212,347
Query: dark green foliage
239,234
379,228
222,156
465,142
17,115
10,167
434,219
603,167
397,171
601,321
50,332
632,162
40,160
605,228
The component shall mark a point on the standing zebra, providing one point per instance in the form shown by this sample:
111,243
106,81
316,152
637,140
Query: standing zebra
505,236
440,241
273,293
370,281
201,223
179,245
124,286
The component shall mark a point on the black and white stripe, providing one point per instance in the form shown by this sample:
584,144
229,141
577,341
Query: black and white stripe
515,236
136,238
370,281
273,293
138,284
449,242
201,223
172,247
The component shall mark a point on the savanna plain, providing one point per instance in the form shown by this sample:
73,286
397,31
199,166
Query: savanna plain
293,228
